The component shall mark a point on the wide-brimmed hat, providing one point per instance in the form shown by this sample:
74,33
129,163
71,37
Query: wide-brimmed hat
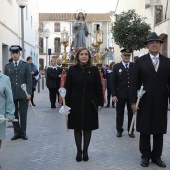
153,37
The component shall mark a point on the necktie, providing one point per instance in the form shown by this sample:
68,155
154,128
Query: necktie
16,64
155,63
126,67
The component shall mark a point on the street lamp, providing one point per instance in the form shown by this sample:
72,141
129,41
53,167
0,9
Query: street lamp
46,35
22,4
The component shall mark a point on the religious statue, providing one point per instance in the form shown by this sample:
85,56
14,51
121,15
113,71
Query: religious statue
80,31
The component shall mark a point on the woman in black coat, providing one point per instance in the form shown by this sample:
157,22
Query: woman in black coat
53,81
85,97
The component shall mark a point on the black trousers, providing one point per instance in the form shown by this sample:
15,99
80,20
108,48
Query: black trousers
108,97
120,107
53,95
21,107
145,146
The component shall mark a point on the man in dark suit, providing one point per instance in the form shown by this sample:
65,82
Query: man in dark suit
120,87
53,81
19,73
153,72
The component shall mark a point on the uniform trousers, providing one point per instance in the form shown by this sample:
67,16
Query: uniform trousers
120,108
145,146
53,95
21,107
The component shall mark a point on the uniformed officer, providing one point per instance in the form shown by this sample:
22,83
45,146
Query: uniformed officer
19,73
120,85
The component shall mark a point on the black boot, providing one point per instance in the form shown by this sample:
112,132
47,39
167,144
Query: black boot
79,156
85,155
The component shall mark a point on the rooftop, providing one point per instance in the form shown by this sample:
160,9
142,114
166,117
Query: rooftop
70,17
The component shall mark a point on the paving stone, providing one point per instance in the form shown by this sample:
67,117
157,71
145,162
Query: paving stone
51,147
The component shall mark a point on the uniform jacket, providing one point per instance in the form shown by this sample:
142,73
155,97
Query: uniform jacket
7,107
152,113
53,79
120,80
84,95
19,76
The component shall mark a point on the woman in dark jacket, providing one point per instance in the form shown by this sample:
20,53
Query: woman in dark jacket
85,97
34,73
53,81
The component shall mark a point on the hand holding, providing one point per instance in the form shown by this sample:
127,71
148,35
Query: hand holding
114,99
99,108
133,106
28,97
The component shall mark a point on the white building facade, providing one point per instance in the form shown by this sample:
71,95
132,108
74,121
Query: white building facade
10,30
56,22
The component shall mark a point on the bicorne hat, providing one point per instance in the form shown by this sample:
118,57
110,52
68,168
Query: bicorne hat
15,48
153,37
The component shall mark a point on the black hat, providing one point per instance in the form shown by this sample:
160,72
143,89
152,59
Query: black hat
153,37
15,48
126,51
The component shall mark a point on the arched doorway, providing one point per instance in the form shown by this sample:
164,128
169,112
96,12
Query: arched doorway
164,48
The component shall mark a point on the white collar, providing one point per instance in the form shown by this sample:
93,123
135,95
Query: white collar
126,63
151,56
16,61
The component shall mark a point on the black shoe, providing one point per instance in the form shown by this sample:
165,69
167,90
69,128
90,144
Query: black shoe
159,162
79,156
145,162
113,106
119,134
107,106
24,137
132,135
33,104
53,107
85,156
15,137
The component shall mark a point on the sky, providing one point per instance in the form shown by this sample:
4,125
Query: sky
72,6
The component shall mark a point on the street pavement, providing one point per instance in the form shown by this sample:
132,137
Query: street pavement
51,147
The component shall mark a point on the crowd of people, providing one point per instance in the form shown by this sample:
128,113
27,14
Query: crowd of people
85,96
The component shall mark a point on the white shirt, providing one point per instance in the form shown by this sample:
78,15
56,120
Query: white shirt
153,58
15,62
125,64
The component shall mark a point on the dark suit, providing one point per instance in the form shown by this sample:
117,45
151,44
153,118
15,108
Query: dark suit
120,85
18,76
152,115
53,82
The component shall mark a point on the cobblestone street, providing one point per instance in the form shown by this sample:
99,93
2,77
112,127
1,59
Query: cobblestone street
51,147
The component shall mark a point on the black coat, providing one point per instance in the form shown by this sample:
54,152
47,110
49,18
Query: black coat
84,95
152,113
108,76
53,79
120,80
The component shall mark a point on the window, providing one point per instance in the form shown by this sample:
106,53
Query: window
31,21
26,11
56,27
57,45
96,27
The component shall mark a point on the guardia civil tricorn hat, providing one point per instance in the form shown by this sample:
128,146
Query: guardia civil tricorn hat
153,37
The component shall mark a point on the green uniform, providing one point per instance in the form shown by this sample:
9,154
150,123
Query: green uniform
20,75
